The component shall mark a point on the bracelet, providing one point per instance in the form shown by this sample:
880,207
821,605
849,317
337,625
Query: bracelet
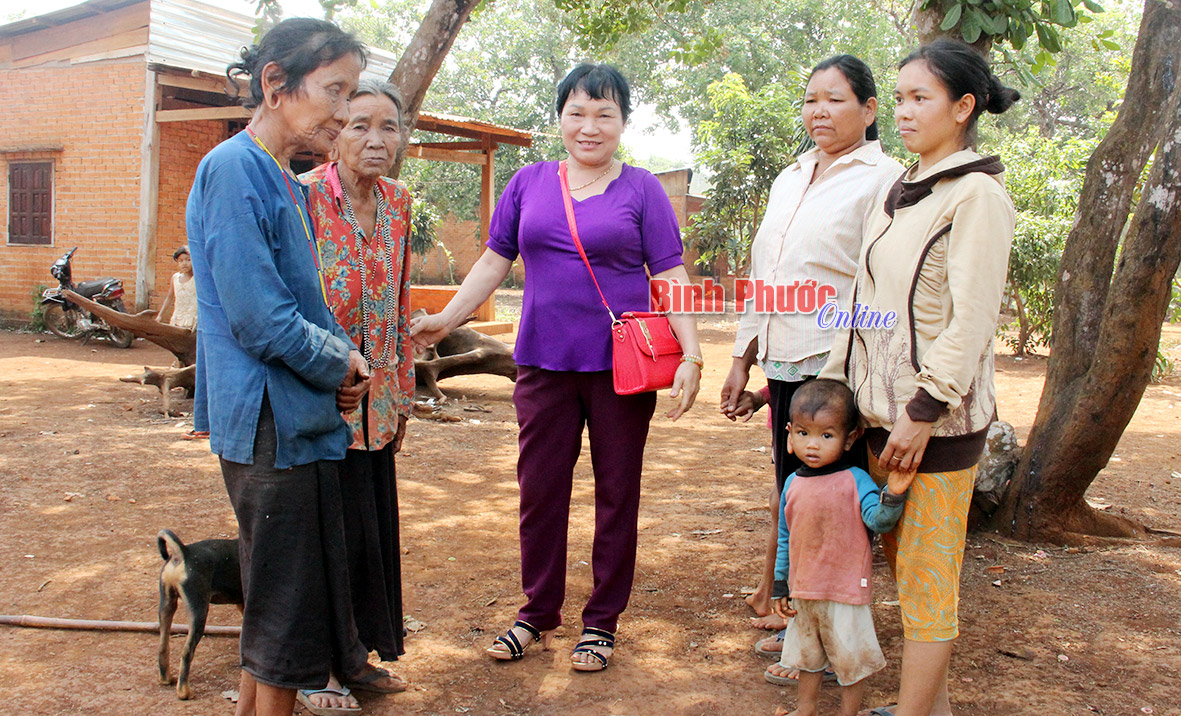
695,360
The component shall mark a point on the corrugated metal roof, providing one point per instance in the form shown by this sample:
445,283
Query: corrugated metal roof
193,35
186,34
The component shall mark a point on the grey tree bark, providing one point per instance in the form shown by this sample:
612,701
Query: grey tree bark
423,57
1107,316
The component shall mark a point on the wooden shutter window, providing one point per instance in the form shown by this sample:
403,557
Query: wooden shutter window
30,203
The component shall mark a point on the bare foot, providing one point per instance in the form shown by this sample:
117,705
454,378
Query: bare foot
770,622
760,602
378,680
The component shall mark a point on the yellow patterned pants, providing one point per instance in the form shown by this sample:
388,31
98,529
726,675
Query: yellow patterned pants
926,550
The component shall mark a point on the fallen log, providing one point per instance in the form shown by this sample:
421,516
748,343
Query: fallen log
464,352
181,342
166,379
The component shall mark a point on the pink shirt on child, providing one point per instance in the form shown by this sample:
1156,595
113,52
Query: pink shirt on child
824,546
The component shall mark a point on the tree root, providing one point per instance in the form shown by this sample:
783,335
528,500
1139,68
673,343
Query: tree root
1083,525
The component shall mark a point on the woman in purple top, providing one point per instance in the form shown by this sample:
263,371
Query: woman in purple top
563,353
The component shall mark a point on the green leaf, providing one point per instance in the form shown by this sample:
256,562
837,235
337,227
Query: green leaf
1048,38
971,27
1110,45
1063,13
1018,36
952,17
998,24
1093,6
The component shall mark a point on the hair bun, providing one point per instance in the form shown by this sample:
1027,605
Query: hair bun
249,55
1000,97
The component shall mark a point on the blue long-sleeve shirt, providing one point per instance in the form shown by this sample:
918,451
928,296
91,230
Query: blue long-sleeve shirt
830,507
263,324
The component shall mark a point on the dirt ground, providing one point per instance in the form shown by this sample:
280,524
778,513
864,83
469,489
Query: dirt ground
90,471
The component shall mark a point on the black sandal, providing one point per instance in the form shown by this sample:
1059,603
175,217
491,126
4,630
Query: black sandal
600,638
509,648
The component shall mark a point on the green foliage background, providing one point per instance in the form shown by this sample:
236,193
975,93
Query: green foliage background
733,72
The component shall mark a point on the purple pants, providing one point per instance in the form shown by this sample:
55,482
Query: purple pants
552,407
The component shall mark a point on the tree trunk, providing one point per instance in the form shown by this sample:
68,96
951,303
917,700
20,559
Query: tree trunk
1023,329
1107,327
424,56
928,22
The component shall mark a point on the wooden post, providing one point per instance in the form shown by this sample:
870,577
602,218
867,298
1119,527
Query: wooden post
487,187
487,312
149,189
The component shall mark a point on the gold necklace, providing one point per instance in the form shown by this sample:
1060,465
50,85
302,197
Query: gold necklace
592,181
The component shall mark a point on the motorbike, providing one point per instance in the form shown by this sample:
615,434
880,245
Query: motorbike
69,320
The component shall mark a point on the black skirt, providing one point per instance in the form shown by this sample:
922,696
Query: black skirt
297,622
369,496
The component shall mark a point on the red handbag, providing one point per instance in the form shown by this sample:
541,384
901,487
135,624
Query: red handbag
645,353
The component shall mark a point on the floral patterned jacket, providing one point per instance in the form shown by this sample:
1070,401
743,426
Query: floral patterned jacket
391,389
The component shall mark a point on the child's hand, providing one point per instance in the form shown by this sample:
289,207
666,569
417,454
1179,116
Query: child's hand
782,607
899,481
746,406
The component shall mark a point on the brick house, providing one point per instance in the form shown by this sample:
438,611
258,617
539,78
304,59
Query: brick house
108,108
685,204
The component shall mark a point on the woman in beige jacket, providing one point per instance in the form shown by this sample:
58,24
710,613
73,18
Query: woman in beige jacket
917,349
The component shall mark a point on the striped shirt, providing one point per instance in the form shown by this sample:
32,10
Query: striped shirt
811,232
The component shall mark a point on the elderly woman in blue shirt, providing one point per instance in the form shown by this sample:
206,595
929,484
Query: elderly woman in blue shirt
278,368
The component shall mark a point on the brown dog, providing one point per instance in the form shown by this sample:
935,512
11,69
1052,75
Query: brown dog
199,574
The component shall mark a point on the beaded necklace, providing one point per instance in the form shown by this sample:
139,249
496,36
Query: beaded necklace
382,229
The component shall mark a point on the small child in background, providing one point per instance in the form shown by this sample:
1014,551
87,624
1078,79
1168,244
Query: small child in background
823,562
182,293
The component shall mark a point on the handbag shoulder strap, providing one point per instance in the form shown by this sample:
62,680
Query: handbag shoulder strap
574,233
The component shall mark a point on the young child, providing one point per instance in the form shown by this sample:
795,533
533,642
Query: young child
823,563
182,293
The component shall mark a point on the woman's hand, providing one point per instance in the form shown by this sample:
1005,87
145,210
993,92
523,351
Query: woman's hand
733,388
400,433
904,449
355,385
686,383
426,331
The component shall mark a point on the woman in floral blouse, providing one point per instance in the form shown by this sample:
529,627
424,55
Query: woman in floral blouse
362,224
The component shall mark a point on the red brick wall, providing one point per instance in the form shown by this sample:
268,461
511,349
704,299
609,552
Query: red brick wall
462,239
182,145
94,112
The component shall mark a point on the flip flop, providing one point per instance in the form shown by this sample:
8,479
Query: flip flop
770,678
304,696
772,646
368,681
883,710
